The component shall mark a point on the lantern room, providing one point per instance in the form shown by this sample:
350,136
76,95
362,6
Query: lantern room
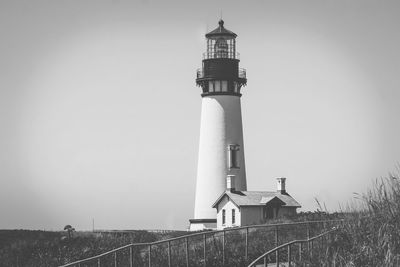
220,73
221,43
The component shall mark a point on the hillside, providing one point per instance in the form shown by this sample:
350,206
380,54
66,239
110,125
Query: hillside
44,248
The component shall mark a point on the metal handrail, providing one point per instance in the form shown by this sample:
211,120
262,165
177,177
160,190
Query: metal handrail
163,231
200,73
221,54
266,254
185,237
242,73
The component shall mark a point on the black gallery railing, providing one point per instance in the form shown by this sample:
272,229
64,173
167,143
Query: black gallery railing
221,54
200,73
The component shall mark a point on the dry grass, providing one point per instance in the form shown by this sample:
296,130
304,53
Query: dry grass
370,236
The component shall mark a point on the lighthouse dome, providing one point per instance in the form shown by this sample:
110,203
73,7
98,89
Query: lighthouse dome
221,31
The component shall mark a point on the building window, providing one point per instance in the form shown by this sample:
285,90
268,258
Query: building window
233,156
223,216
233,216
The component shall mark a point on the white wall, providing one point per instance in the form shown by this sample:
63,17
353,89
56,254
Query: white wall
246,215
221,124
228,206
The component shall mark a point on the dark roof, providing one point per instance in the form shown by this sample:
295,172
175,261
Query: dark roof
220,31
257,198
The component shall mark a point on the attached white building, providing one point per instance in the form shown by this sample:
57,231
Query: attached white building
240,208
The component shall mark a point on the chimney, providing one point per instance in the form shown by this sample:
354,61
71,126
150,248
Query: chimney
230,183
281,185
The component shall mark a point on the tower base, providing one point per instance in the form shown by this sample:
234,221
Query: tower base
202,224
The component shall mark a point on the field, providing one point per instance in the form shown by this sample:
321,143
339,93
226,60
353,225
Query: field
369,236
44,248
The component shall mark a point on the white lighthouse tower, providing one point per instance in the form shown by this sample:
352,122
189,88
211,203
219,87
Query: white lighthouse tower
221,149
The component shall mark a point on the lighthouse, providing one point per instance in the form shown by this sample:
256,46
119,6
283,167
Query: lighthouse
221,148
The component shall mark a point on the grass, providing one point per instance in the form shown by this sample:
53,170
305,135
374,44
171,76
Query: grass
370,233
259,240
44,248
39,248
370,236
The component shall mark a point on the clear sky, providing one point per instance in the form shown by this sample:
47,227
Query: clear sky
100,115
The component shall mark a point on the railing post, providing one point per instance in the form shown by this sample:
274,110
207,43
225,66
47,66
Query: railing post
277,258
149,255
223,247
187,252
328,244
300,250
289,255
169,254
204,250
246,252
308,237
312,245
98,262
324,245
321,246
115,259
277,244
130,256
265,261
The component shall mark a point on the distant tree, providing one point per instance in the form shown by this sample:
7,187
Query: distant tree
69,230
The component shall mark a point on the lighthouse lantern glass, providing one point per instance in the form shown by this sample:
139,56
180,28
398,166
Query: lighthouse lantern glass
221,47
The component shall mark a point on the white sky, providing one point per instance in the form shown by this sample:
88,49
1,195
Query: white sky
100,115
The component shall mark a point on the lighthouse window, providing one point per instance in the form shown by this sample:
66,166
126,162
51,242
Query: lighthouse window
223,216
224,86
233,157
211,86
236,87
217,87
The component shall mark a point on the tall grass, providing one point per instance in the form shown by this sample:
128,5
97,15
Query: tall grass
370,236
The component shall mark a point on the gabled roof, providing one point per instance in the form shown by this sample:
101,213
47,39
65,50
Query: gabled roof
272,199
257,198
221,31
